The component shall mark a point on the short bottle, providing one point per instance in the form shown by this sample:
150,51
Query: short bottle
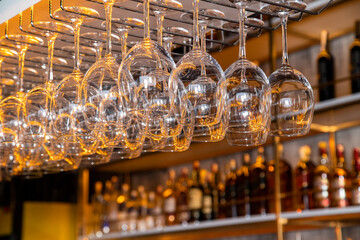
243,187
326,74
339,180
321,190
258,192
355,189
170,199
286,183
230,191
304,175
355,60
195,194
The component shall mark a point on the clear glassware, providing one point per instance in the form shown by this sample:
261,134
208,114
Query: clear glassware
205,84
143,81
292,106
42,62
23,146
97,39
248,94
70,123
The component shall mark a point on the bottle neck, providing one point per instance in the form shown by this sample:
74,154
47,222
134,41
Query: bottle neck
357,30
324,41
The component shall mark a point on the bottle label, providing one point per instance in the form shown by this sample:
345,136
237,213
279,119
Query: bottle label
170,205
339,192
356,196
195,198
207,204
321,191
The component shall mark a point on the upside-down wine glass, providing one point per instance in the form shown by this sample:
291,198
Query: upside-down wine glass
205,84
292,105
247,105
70,118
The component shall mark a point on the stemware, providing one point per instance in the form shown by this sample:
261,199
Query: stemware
205,83
42,62
97,39
70,118
247,105
22,139
292,106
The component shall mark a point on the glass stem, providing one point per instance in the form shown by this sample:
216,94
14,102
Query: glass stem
146,20
108,12
123,42
51,42
1,84
242,39
98,48
196,43
159,21
21,68
168,44
283,18
77,26
202,25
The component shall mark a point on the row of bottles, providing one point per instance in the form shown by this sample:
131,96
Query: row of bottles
238,191
326,69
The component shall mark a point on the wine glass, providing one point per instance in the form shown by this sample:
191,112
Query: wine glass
42,62
292,106
22,139
247,105
205,83
70,119
96,39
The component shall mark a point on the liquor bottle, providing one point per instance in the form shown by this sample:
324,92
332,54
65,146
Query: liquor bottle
322,179
355,60
222,198
326,75
169,199
207,208
243,187
150,218
106,208
258,190
286,183
97,204
142,209
215,180
158,209
113,205
182,201
230,190
304,175
195,194
132,206
339,180
355,191
122,201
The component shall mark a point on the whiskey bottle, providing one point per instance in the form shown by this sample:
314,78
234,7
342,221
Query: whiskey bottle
355,191
207,207
304,175
106,208
133,206
355,60
230,190
243,187
150,217
142,209
339,180
158,208
322,179
113,205
183,214
97,204
195,194
258,193
122,201
215,181
326,75
169,199
286,183
222,198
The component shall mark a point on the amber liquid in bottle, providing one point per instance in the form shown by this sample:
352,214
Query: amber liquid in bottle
222,198
195,194
304,175
286,183
169,199
258,193
230,191
207,204
243,187
215,180
321,190
339,181
355,189
183,214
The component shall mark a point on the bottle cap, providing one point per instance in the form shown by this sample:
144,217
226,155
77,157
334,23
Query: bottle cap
108,185
339,151
184,171
232,164
125,187
196,165
322,147
141,189
246,159
98,187
172,174
151,196
159,189
280,149
305,152
324,40
214,167
260,150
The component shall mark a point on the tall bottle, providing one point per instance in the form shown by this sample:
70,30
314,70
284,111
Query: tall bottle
142,208
322,179
286,183
339,180
222,197
215,181
355,60
97,204
158,208
122,201
106,209
182,199
304,175
207,204
169,199
195,194
230,190
258,193
150,216
355,189
326,73
133,210
243,187
113,205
